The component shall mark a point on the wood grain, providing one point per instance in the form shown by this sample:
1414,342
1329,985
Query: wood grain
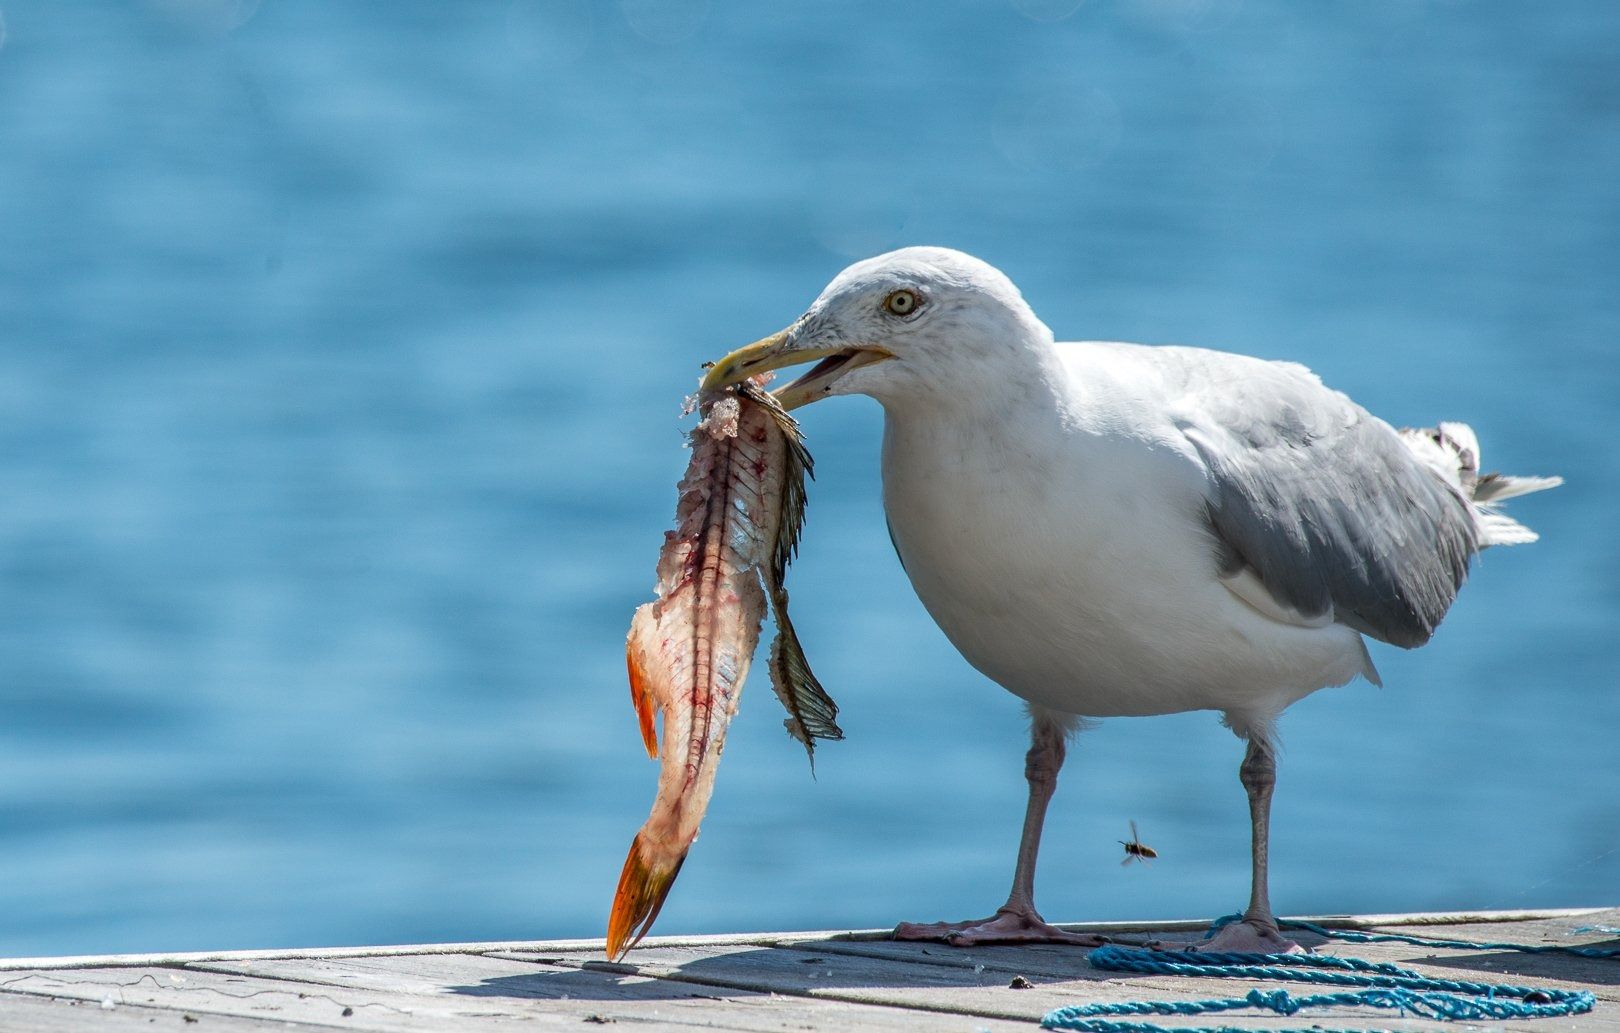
814,981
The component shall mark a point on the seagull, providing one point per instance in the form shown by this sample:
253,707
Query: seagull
1120,530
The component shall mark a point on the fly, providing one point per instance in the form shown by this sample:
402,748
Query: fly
1136,850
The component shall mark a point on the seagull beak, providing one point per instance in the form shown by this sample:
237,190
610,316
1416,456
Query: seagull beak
778,350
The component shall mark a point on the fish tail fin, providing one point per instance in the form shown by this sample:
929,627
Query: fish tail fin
643,885
641,695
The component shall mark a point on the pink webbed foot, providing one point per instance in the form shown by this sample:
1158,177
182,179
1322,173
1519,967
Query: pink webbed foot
1009,925
1248,936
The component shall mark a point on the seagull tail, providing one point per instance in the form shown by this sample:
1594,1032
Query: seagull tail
1498,487
1453,450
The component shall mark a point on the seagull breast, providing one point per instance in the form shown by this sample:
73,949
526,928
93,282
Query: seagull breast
1060,540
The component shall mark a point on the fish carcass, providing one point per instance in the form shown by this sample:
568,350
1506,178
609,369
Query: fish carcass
736,528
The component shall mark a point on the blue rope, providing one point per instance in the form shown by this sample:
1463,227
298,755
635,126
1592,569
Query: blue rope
1385,986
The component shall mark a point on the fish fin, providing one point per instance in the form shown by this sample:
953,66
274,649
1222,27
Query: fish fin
643,885
641,695
799,466
812,714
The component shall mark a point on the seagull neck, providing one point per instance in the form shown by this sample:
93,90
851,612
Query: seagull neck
993,386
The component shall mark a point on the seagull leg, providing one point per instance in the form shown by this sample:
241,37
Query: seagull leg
1017,921
1257,931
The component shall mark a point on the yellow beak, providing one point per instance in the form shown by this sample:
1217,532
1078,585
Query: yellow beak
774,352
765,353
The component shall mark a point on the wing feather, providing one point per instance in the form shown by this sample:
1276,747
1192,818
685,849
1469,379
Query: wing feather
1321,501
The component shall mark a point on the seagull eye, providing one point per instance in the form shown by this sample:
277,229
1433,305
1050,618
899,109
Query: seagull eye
901,303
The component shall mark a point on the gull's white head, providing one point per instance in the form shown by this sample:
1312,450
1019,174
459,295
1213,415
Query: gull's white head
921,321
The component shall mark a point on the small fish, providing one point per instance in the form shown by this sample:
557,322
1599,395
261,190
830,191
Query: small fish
736,529
1136,850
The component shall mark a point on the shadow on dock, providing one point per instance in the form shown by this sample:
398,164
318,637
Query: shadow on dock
813,967
800,968
1513,965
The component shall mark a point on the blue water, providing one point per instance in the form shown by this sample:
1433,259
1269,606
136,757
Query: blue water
341,348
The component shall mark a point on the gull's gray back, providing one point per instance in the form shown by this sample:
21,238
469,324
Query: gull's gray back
1321,499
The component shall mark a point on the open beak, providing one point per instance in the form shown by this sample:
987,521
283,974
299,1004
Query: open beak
776,351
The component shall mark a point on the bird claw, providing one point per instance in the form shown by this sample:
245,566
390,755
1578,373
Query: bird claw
1007,926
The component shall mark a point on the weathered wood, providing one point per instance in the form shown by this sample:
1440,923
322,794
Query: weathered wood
463,993
764,982
979,988
1144,928
592,990
45,1015
211,994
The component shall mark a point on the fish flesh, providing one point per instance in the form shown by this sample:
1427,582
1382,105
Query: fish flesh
736,530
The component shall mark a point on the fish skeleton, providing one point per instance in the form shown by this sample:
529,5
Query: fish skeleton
737,527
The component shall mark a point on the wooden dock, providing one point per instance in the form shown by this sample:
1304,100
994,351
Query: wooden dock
844,981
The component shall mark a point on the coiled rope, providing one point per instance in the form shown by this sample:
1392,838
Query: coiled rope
1382,985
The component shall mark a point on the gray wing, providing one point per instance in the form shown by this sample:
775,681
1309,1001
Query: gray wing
1322,500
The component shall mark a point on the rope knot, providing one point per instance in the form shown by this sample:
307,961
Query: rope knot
1280,1001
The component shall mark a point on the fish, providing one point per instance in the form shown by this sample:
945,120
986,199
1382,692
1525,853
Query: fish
737,526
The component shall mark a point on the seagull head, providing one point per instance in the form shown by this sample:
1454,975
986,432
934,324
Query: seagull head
920,322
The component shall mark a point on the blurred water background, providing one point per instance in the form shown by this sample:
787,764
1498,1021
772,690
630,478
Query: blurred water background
341,351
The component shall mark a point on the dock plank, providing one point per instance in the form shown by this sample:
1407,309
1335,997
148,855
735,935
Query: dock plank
584,991
48,1015
767,982
203,993
970,989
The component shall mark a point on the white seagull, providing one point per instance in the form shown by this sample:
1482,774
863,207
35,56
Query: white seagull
1113,530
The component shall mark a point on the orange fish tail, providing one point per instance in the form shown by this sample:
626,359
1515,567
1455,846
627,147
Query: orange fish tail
643,885
641,698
